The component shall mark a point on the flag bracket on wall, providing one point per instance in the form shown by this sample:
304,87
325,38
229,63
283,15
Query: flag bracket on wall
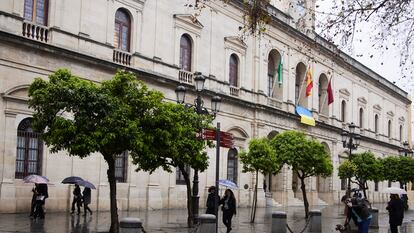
305,116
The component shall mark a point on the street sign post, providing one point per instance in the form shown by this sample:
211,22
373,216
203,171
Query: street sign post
226,139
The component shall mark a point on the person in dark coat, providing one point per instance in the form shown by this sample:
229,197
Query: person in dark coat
228,208
33,203
41,196
211,200
395,209
77,199
358,211
86,200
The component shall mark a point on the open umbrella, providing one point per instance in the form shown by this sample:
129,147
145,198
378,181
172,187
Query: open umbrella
36,179
394,190
229,184
71,180
86,184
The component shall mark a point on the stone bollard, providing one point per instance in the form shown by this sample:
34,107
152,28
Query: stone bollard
374,220
130,225
279,222
315,221
207,223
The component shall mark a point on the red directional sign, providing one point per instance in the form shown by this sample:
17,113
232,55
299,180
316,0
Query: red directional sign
226,139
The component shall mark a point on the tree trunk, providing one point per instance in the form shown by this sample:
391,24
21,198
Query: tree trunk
305,198
189,204
112,193
363,186
254,206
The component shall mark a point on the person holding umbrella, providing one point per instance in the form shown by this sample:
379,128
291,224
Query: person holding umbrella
77,199
395,209
229,208
86,200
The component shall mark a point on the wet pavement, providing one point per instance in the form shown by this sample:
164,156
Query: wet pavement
175,221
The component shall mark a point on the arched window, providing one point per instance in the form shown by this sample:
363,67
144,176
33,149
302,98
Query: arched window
121,167
343,110
122,30
389,128
323,95
29,150
185,52
234,70
271,71
401,132
376,123
300,85
232,165
361,117
36,11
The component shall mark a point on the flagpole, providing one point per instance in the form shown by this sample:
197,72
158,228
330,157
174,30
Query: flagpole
274,78
326,94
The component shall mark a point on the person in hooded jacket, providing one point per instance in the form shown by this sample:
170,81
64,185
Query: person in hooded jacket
395,209
211,200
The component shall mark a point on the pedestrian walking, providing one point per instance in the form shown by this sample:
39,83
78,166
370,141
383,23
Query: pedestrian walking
41,196
33,203
357,209
211,200
228,208
395,209
77,199
86,200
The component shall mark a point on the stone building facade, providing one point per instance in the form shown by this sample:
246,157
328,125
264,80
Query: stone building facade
164,44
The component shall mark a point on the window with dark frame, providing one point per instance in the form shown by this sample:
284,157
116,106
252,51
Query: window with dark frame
376,123
271,71
389,128
121,167
122,30
36,11
232,165
401,132
185,52
389,184
361,117
234,70
376,186
343,110
179,178
29,150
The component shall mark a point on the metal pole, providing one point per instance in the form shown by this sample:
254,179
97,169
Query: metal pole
217,172
195,197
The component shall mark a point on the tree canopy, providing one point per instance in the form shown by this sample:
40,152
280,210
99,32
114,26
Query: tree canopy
306,157
398,169
262,158
83,117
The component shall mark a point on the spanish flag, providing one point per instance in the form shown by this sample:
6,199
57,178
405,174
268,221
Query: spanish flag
309,82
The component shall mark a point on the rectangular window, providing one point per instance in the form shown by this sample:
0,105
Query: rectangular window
389,183
121,167
376,187
179,178
36,11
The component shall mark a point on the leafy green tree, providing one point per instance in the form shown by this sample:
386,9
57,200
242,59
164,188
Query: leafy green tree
363,167
261,157
399,169
306,157
174,128
103,118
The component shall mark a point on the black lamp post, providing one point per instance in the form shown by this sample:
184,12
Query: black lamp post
405,150
350,140
199,109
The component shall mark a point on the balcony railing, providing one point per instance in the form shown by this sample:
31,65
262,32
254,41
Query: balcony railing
35,32
234,91
185,76
122,57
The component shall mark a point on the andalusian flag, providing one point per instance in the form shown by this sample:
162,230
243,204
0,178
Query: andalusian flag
280,72
309,82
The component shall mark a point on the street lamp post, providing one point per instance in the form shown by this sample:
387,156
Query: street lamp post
199,109
350,140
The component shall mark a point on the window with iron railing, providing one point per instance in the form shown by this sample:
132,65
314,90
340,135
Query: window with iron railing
121,167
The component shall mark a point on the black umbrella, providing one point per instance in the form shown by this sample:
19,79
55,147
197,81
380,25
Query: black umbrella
71,180
86,184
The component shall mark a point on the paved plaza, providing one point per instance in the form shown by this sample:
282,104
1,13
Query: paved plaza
175,221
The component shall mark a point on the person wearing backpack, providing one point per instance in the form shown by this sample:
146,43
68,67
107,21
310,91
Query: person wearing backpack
395,209
358,211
